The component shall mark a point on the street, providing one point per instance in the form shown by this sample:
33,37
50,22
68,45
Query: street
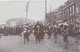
16,44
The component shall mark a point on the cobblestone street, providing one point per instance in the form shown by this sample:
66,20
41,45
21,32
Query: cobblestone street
16,44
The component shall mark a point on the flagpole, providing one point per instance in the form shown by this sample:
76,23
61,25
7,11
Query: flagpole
27,7
45,10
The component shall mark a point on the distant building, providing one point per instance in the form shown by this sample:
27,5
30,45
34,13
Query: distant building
11,23
77,10
2,26
17,22
54,16
69,12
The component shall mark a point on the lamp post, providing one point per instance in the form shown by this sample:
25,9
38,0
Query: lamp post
45,10
27,7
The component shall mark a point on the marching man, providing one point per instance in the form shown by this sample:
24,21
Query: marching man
55,30
26,34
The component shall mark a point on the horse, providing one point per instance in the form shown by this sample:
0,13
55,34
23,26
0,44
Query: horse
38,32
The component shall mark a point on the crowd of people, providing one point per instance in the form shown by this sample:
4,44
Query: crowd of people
40,30
11,30
64,29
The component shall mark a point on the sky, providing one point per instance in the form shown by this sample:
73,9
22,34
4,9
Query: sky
10,9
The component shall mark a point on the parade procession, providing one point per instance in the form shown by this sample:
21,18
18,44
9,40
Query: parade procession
40,26
64,29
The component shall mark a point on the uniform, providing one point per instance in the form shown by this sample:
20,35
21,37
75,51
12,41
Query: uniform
49,31
76,31
65,36
55,30
26,34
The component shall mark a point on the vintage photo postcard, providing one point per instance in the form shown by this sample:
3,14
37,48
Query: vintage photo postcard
39,25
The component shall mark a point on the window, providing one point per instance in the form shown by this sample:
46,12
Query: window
76,9
63,13
73,9
70,11
66,12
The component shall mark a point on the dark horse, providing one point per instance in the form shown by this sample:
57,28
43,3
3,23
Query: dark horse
38,32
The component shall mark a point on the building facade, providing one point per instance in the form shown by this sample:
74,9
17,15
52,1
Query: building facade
69,12
18,22
54,16
11,23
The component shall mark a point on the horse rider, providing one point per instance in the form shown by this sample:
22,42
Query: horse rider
37,32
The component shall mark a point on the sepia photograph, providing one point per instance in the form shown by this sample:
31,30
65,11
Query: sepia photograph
39,25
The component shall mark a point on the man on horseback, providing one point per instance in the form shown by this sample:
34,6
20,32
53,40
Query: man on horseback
37,32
